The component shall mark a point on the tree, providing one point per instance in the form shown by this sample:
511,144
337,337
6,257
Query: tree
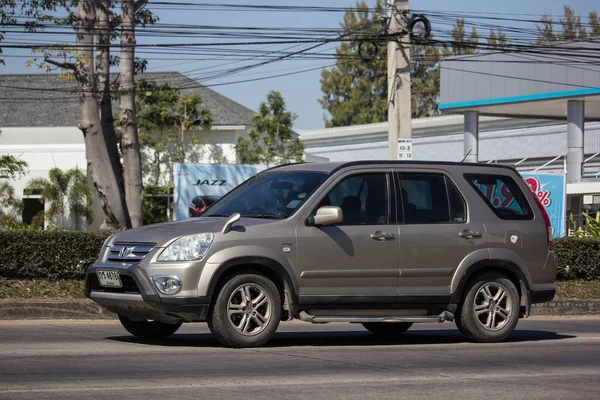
355,89
571,27
88,62
164,117
11,167
425,79
461,43
497,40
130,146
272,140
67,194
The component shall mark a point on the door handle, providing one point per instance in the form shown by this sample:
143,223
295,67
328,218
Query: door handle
468,234
382,236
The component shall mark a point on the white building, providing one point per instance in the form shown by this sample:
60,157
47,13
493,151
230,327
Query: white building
39,114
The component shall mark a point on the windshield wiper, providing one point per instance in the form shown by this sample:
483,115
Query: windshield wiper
215,215
265,216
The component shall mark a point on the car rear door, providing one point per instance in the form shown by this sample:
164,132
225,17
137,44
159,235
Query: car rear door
437,230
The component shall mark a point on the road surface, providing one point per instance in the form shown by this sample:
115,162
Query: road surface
545,358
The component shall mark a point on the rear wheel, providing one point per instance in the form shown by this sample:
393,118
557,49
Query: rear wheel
148,329
246,312
387,329
490,310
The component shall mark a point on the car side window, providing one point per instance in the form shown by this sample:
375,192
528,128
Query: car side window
430,198
502,194
363,199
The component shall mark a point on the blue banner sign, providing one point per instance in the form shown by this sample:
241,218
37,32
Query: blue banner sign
551,191
197,186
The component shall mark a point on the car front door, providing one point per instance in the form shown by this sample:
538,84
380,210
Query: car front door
436,232
357,259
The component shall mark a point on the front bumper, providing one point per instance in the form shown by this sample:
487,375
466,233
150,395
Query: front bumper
140,300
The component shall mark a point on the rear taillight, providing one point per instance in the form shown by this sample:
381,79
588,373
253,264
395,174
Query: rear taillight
544,216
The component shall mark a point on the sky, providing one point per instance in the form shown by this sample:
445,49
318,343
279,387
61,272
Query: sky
301,91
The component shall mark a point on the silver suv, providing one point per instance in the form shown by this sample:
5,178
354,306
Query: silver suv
384,244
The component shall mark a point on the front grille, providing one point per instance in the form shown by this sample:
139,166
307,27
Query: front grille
129,285
129,252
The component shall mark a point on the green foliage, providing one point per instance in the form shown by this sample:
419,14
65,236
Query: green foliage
65,192
571,27
354,90
272,140
578,258
168,123
156,204
48,255
592,226
461,43
497,40
11,167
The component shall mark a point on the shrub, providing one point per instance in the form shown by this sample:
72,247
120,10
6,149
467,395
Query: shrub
578,258
50,255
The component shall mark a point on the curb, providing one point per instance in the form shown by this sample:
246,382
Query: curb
86,309
79,309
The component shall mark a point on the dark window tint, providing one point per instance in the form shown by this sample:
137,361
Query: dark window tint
458,209
502,195
430,198
362,198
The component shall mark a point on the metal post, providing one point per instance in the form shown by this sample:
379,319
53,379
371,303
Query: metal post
471,137
399,105
575,129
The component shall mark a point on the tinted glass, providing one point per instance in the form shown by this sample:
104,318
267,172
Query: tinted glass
269,195
430,198
362,198
458,208
502,195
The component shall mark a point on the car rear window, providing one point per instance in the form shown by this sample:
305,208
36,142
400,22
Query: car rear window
502,194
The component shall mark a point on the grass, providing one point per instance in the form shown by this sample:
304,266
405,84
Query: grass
580,290
36,289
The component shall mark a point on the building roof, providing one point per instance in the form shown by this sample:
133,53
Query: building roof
46,100
523,85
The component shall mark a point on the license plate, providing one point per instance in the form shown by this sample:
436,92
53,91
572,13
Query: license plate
109,279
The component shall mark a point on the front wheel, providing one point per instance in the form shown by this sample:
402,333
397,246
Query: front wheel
490,310
148,329
246,312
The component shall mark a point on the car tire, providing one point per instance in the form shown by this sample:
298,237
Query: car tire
246,312
387,329
490,309
148,329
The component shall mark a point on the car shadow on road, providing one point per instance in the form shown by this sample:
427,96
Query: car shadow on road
343,338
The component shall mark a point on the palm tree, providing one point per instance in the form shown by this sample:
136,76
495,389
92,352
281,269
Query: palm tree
66,193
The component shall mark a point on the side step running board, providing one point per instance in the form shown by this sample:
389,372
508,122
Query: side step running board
306,317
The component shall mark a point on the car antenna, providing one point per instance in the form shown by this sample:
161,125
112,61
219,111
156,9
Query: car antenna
467,155
232,220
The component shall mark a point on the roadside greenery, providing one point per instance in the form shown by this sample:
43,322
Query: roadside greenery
52,255
272,139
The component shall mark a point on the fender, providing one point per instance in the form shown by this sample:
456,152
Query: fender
508,265
218,264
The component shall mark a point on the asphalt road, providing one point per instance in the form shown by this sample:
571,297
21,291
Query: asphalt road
545,358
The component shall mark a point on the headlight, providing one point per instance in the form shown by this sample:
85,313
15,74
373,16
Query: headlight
167,284
187,248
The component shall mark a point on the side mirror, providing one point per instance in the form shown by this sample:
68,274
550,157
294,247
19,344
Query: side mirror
327,216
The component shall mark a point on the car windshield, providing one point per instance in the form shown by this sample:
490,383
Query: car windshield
271,195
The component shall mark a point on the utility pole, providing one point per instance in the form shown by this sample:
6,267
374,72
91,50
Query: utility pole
399,100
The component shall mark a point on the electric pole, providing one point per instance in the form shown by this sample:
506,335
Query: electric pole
399,100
